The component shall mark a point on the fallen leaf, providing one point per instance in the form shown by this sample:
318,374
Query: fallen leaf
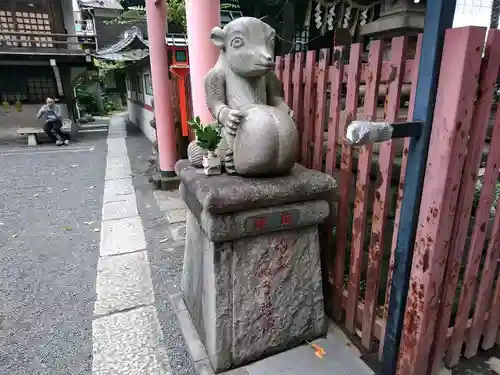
319,355
318,351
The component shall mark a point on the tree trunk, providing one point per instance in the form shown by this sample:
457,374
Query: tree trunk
495,14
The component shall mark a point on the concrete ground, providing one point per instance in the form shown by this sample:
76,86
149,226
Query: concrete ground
79,249
90,266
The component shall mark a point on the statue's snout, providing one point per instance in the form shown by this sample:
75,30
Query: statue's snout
267,60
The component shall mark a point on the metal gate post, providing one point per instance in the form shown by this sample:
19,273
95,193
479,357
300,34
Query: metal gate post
439,17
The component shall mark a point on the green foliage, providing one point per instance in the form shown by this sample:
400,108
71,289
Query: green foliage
104,66
86,101
177,13
207,136
108,105
229,6
135,12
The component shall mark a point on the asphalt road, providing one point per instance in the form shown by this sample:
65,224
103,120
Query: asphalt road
50,205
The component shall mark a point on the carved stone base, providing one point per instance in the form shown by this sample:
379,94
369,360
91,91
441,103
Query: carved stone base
252,274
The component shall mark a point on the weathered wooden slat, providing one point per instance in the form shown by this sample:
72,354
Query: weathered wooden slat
362,186
492,325
381,202
485,285
453,112
399,199
298,93
337,267
481,115
319,120
493,250
334,75
309,105
386,74
278,68
287,79
343,224
379,323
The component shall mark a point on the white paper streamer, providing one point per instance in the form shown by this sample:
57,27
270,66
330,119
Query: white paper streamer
367,132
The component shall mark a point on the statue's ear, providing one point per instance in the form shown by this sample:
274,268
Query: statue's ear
218,37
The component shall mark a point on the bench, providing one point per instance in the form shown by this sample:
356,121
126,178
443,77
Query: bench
33,133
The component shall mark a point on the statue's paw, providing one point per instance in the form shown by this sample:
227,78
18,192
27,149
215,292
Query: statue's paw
229,164
234,116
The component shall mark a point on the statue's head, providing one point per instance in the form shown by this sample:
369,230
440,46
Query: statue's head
247,45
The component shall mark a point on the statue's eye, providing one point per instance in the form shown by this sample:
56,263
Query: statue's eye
237,43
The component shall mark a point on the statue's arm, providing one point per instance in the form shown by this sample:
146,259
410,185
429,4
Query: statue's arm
215,91
275,93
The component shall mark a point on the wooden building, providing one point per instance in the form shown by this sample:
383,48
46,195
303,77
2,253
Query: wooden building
40,55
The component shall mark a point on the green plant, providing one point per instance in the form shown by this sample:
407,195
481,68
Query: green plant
207,136
108,105
86,101
135,11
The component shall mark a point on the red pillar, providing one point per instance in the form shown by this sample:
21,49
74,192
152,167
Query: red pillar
202,16
156,13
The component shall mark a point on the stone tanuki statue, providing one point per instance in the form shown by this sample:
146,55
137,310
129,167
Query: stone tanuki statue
246,98
252,277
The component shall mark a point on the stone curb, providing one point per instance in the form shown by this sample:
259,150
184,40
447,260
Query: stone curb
195,346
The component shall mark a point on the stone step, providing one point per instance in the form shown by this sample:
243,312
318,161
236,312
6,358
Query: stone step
94,126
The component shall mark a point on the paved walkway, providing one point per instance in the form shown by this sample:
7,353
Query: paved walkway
81,241
130,315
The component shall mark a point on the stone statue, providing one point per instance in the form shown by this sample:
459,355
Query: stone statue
246,98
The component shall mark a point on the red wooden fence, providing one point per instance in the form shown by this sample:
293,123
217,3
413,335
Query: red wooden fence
451,301
325,97
452,251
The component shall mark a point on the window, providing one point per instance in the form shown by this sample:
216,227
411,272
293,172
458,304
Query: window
39,88
180,56
31,23
148,84
27,84
139,84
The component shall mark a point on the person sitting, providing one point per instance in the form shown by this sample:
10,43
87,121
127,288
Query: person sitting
53,123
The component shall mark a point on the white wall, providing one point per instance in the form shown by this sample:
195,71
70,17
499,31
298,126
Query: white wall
472,13
139,104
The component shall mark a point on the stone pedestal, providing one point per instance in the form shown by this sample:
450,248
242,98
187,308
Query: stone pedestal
252,274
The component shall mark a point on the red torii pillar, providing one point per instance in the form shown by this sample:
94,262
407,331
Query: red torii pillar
156,13
202,16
